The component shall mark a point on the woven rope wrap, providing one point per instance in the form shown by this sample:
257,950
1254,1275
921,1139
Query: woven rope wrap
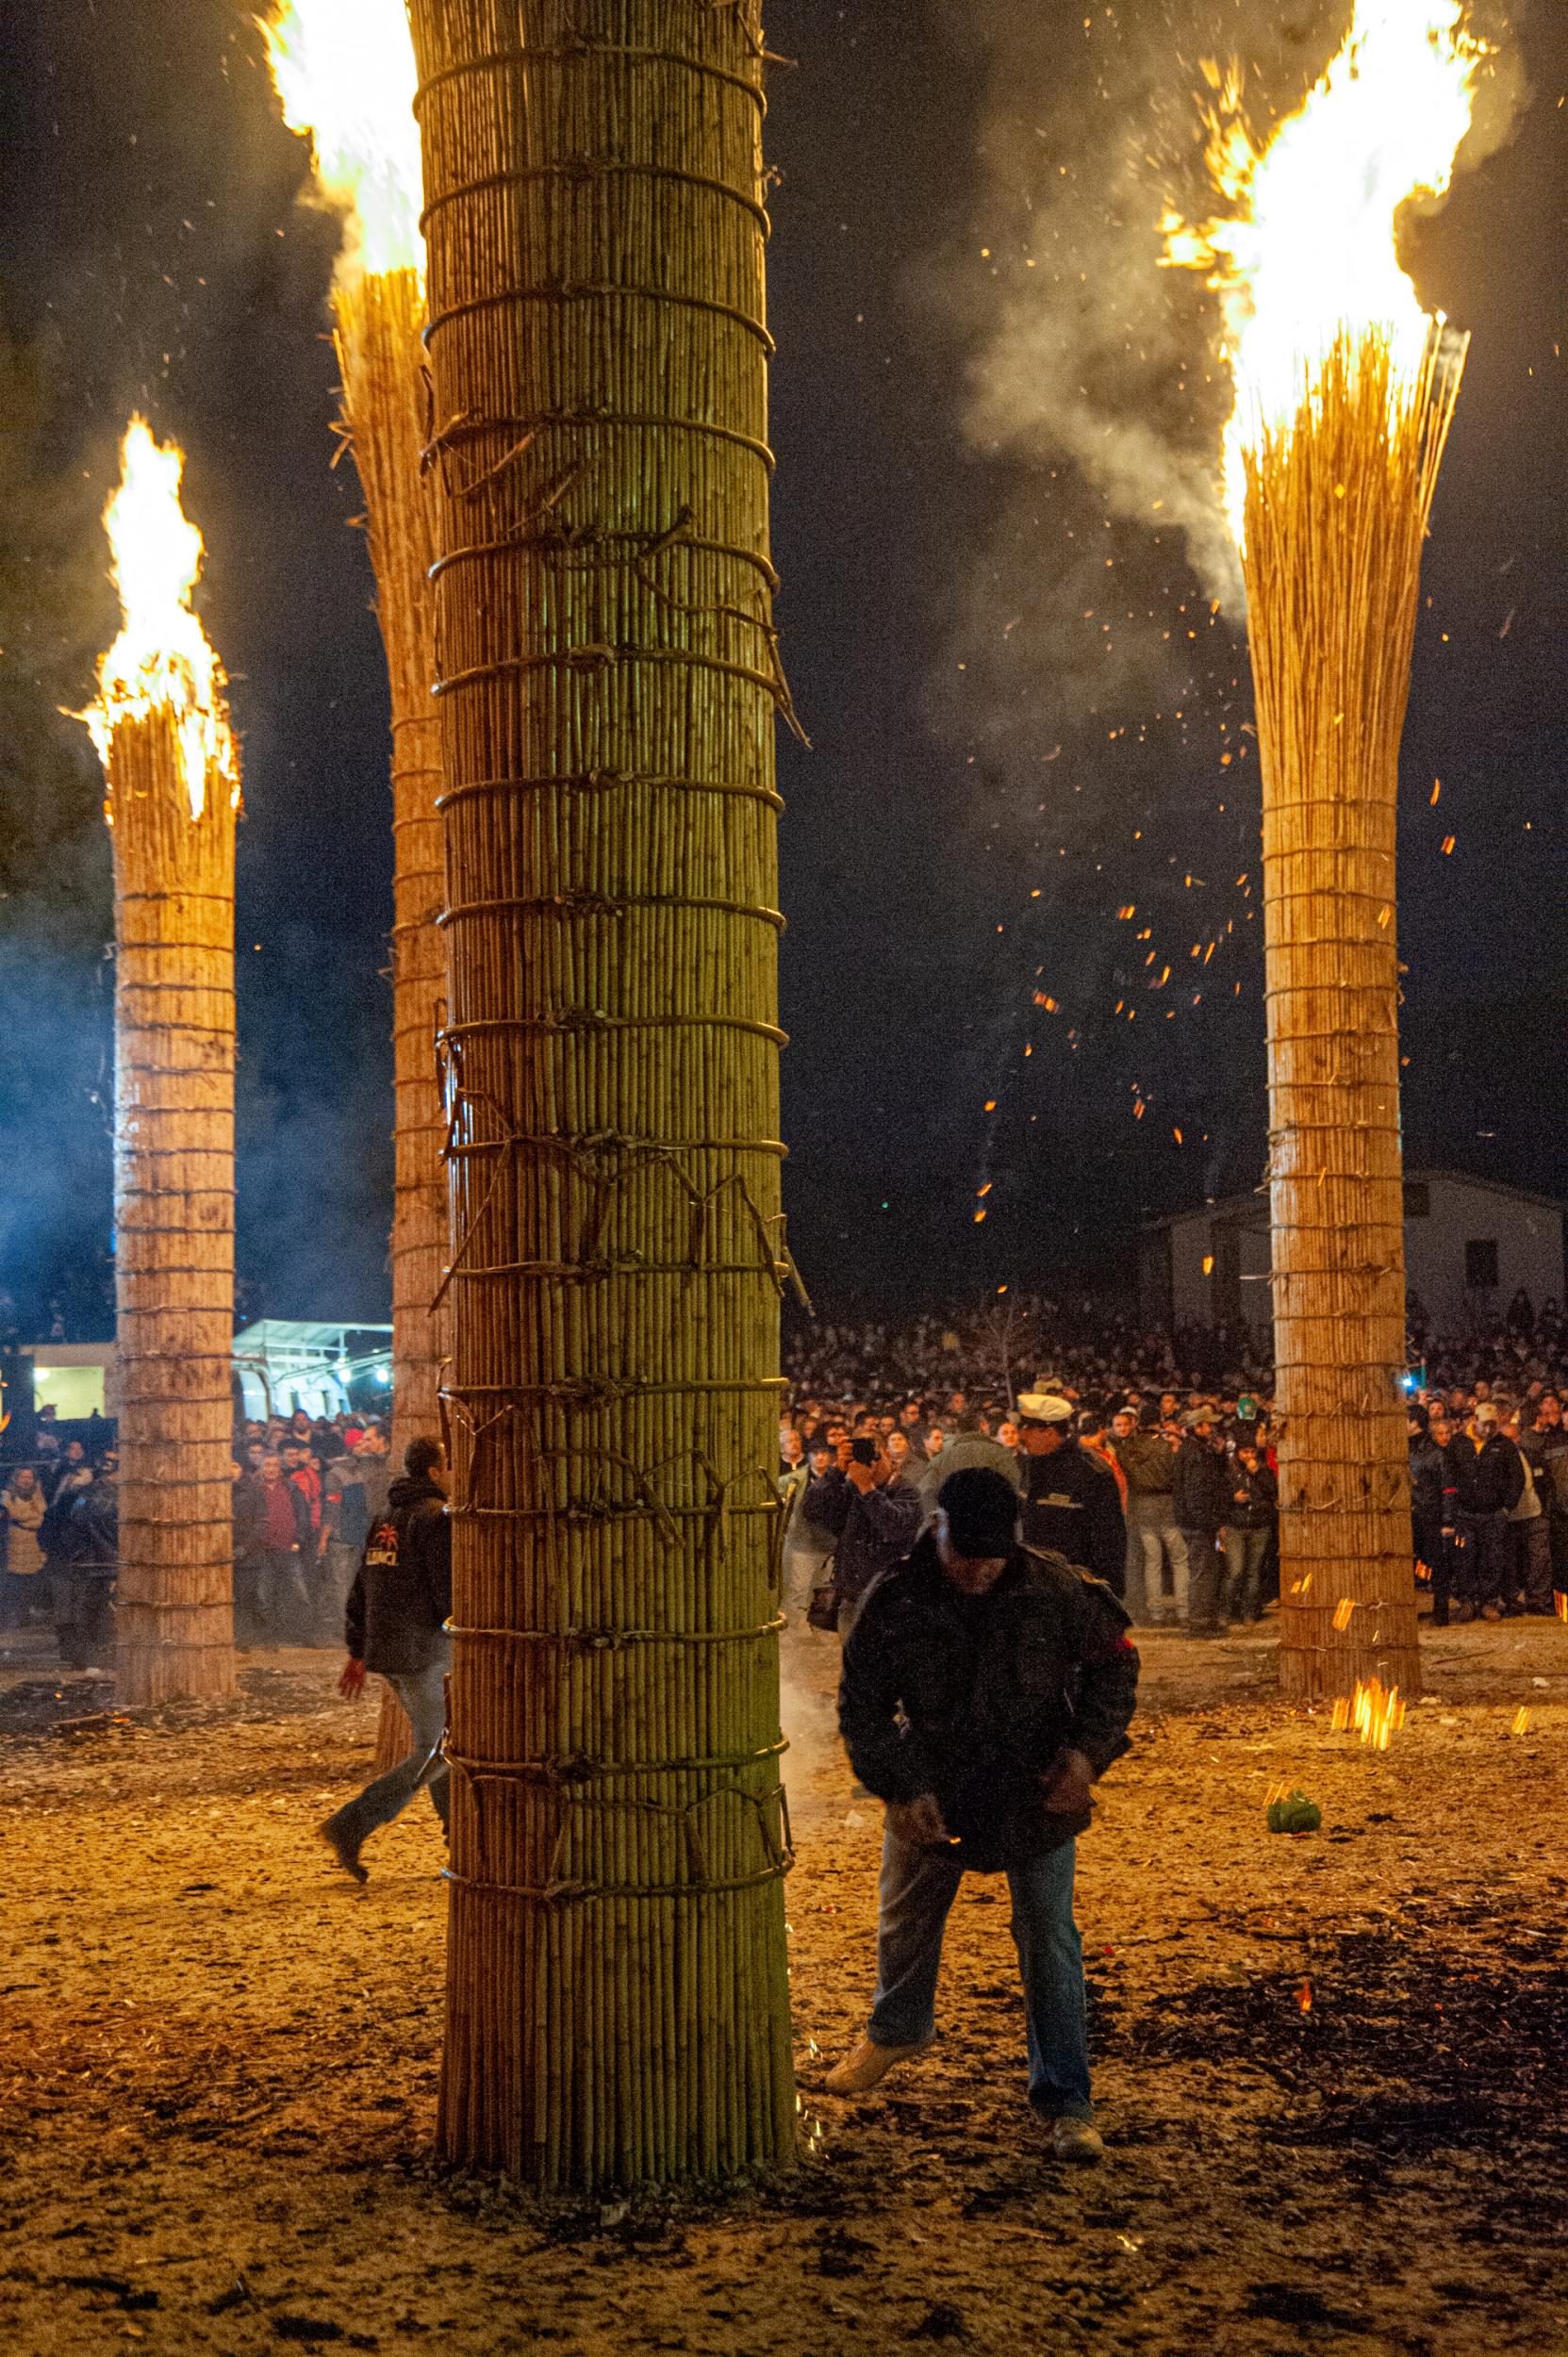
608,683
174,1199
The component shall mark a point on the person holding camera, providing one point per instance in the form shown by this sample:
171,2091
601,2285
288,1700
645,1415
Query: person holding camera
874,1515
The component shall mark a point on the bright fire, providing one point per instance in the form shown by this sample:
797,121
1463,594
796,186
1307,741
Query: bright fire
162,659
344,71
1371,1713
1303,249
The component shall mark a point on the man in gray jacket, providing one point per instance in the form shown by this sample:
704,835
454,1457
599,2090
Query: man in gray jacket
1149,1467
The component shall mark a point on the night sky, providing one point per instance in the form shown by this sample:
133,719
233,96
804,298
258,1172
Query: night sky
983,386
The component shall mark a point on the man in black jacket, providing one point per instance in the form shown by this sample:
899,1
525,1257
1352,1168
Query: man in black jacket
1072,1505
1489,1478
395,1625
985,1687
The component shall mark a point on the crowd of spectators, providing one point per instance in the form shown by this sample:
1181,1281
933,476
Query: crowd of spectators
1149,1458
1146,1457
307,1491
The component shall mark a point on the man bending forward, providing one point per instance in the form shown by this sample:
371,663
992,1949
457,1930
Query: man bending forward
986,1687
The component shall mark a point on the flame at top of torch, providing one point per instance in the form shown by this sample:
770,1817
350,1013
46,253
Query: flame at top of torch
345,75
162,659
1304,251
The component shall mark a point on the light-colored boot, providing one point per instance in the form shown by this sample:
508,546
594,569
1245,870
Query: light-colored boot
870,2065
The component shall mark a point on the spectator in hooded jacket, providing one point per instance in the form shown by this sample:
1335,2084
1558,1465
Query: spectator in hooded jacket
1200,1500
395,1625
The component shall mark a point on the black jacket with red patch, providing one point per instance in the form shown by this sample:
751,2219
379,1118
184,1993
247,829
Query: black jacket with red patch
973,1697
402,1593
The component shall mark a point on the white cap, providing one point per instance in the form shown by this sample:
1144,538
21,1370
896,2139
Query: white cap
1045,1407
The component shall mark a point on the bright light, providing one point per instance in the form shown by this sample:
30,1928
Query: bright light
1303,251
162,659
383,1375
345,76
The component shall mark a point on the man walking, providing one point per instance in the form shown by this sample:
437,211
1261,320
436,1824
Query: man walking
1071,1504
985,1687
395,1625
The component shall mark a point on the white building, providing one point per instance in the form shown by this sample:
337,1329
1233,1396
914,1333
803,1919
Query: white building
1470,1246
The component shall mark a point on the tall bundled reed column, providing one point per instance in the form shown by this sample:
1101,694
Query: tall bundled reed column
161,729
1337,502
608,683
380,323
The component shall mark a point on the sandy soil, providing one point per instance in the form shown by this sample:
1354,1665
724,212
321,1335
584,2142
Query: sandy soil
219,2060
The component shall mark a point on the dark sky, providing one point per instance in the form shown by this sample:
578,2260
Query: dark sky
976,353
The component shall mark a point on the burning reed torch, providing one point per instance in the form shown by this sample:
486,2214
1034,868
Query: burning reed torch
160,725
345,72
1344,392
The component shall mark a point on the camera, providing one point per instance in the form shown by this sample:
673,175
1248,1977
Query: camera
863,1451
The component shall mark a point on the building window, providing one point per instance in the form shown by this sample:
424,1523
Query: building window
1418,1199
1480,1264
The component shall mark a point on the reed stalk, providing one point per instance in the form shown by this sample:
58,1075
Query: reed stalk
608,682
1337,504
173,1216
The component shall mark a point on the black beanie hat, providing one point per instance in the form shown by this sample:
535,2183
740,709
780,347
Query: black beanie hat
981,1508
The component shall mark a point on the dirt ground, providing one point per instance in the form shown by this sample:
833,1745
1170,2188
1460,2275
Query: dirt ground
1331,2068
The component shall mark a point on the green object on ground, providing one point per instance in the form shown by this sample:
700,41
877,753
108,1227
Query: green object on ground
1295,1814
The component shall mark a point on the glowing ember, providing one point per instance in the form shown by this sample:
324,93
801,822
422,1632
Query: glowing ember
1304,1996
345,72
1303,251
162,659
1371,1713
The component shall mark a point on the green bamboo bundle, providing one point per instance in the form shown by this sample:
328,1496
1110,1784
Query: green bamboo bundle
174,1215
617,1991
1337,503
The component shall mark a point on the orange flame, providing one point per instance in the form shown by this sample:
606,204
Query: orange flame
345,78
1304,1996
1371,1713
162,659
1522,1724
1304,249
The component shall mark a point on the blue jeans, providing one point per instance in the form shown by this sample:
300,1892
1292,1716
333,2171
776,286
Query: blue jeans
422,1694
917,1889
